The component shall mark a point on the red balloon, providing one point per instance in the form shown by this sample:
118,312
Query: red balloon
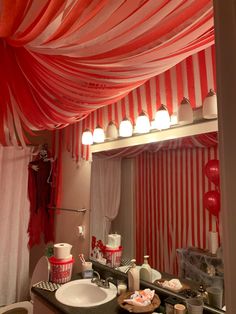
211,202
212,171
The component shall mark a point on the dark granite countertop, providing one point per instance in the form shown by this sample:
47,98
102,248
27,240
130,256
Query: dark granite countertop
111,307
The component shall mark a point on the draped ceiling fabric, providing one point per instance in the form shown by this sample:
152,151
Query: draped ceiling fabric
191,78
62,59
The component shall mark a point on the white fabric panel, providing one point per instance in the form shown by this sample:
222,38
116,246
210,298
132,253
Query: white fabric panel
105,195
14,216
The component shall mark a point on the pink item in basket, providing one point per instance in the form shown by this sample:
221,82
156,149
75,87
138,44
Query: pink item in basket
60,270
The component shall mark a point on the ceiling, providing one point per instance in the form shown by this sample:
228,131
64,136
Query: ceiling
61,60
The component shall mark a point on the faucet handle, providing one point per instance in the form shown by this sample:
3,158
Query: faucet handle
107,280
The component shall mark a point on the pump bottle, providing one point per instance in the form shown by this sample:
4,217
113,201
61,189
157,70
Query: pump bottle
133,277
145,270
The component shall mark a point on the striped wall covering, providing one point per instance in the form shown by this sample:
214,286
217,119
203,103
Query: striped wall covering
191,78
170,185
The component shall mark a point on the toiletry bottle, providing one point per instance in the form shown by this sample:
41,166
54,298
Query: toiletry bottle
145,270
133,277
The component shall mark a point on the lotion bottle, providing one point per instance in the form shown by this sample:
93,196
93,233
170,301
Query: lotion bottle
133,277
145,270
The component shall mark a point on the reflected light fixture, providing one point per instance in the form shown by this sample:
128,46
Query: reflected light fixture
112,131
185,112
209,107
98,135
87,137
162,118
126,128
142,123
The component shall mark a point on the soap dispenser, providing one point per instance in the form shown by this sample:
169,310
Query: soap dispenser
133,277
145,270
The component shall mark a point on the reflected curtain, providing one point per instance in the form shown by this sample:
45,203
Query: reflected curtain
14,217
169,190
105,195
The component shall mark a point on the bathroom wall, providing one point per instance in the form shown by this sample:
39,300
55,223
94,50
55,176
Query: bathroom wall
75,195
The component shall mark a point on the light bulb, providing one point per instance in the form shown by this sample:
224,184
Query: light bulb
112,131
185,112
98,135
162,118
87,137
142,123
209,107
126,128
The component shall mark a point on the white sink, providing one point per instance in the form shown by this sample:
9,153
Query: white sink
83,293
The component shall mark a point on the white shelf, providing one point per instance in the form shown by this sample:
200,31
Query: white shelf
202,127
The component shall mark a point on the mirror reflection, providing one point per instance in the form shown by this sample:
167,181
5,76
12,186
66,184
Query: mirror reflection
162,200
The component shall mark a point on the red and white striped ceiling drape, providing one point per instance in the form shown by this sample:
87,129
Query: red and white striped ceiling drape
191,78
62,59
170,185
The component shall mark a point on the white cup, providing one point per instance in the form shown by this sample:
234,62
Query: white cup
87,266
121,286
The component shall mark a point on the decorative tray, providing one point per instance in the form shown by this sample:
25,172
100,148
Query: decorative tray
160,282
138,309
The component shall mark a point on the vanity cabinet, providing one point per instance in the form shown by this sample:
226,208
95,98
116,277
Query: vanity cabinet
40,306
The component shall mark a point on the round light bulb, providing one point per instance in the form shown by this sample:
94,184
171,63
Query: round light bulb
98,135
126,128
142,123
209,107
162,118
185,112
112,131
87,137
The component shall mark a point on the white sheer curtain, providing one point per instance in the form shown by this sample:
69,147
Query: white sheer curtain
14,216
105,195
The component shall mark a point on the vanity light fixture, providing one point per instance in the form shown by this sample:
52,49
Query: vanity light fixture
162,118
112,131
87,137
98,135
126,128
142,123
209,107
185,112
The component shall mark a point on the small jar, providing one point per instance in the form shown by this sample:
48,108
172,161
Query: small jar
179,309
121,286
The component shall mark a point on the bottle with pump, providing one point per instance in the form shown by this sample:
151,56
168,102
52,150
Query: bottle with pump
133,277
145,270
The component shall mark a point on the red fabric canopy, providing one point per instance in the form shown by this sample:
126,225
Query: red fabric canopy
62,59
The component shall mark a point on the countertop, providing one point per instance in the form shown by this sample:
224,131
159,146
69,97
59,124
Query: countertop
111,307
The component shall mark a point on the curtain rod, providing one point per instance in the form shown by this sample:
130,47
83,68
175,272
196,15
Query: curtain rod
82,210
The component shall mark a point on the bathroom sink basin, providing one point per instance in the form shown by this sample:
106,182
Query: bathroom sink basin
83,293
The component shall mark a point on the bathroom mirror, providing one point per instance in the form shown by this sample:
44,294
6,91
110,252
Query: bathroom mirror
172,173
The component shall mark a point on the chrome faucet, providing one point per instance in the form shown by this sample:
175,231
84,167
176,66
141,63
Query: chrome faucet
106,282
96,279
101,282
